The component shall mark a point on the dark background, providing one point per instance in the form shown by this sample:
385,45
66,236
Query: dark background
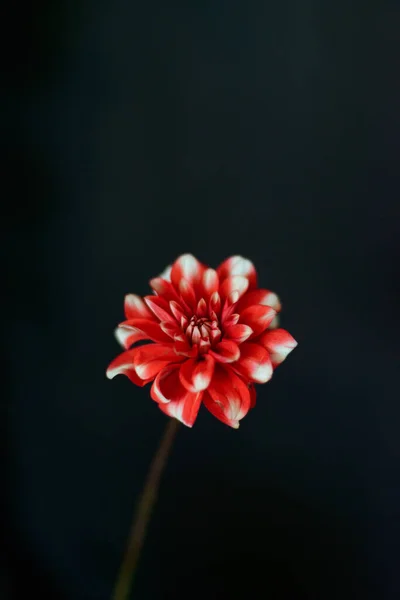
134,133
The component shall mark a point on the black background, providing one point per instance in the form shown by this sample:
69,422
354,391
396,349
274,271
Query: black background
134,133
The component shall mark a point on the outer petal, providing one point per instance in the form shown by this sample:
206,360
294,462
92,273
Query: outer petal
185,409
135,308
279,344
258,317
264,297
254,363
167,386
149,330
196,375
228,397
226,351
126,336
237,265
186,267
123,365
150,359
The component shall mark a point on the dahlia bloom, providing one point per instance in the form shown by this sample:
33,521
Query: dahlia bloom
214,336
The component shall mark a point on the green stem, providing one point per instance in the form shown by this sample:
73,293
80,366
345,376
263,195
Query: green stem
143,513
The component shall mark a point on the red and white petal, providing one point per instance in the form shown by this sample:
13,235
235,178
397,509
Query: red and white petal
149,330
160,307
123,365
186,267
185,410
237,265
196,374
201,310
274,323
173,331
226,351
210,282
167,386
238,333
177,310
164,288
231,320
228,397
254,363
279,343
135,308
126,336
258,317
215,303
236,283
150,359
264,297
166,274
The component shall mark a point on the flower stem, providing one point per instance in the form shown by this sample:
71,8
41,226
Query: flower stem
143,513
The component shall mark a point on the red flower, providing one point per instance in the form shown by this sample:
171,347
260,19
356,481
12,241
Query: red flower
214,337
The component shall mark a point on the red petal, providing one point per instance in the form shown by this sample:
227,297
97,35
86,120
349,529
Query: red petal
226,351
254,363
279,343
167,386
186,267
237,265
185,409
135,308
258,317
149,360
123,365
196,375
228,397
238,333
264,297
237,283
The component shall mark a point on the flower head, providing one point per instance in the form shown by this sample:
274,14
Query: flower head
214,336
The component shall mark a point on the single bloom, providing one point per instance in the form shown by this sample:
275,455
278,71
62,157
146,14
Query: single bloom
213,335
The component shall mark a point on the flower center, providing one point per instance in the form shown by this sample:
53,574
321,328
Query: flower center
204,332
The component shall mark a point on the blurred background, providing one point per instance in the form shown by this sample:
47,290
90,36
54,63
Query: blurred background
135,132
